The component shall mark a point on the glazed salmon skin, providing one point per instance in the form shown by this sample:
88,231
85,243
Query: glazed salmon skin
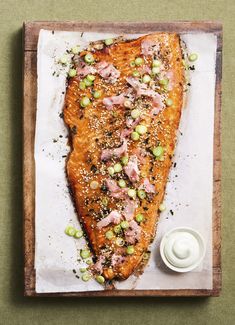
122,107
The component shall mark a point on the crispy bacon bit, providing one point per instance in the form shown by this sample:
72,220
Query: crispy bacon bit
98,266
147,186
149,47
113,217
129,209
108,71
132,170
117,152
132,234
117,259
114,100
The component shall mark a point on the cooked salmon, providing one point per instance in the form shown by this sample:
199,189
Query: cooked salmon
122,107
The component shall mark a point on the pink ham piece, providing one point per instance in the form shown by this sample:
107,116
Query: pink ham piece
117,152
109,102
115,190
108,71
129,209
147,186
132,234
113,217
117,259
98,266
132,170
149,47
140,153
84,69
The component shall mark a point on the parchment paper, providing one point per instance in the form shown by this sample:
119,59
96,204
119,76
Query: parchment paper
188,193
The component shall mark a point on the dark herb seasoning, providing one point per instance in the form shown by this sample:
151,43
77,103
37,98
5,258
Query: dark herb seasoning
172,213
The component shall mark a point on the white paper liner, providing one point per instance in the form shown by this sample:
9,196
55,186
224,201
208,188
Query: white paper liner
188,193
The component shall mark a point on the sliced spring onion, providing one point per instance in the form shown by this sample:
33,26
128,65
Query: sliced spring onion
108,41
132,193
94,185
130,250
135,113
111,171
155,70
141,129
100,279
97,94
158,151
105,201
146,79
117,168
139,61
169,102
132,64
156,63
82,85
117,229
146,256
139,217
193,57
109,234
87,82
120,242
89,58
164,82
72,73
70,231
135,73
122,183
64,59
127,103
124,160
84,253
75,49
89,262
162,207
83,269
141,194
135,136
85,101
86,277
78,234
90,77
124,224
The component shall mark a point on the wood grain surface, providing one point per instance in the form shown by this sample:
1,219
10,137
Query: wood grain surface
31,32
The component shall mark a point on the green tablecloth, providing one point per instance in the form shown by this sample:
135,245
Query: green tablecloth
14,308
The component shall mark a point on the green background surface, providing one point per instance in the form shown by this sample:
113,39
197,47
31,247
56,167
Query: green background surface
16,309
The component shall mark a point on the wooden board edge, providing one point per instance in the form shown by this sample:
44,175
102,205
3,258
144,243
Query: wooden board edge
29,222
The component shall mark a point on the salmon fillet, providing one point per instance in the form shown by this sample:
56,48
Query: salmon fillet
122,128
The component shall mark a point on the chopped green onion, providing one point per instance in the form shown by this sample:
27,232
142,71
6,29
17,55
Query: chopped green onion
89,262
108,41
117,168
164,82
135,136
82,85
146,256
156,63
124,160
120,241
135,113
127,103
75,50
85,101
83,269
122,183
169,102
162,207
86,277
70,231
146,78
78,234
90,77
130,250
139,217
105,201
64,59
193,57
97,94
141,129
117,229
135,73
84,253
88,83
158,151
155,70
111,171
141,194
139,61
94,185
109,234
132,64
89,58
132,193
100,279
72,73
124,224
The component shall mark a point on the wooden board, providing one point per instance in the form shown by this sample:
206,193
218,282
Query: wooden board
31,32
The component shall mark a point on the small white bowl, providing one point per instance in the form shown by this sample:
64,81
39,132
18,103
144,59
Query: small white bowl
196,235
